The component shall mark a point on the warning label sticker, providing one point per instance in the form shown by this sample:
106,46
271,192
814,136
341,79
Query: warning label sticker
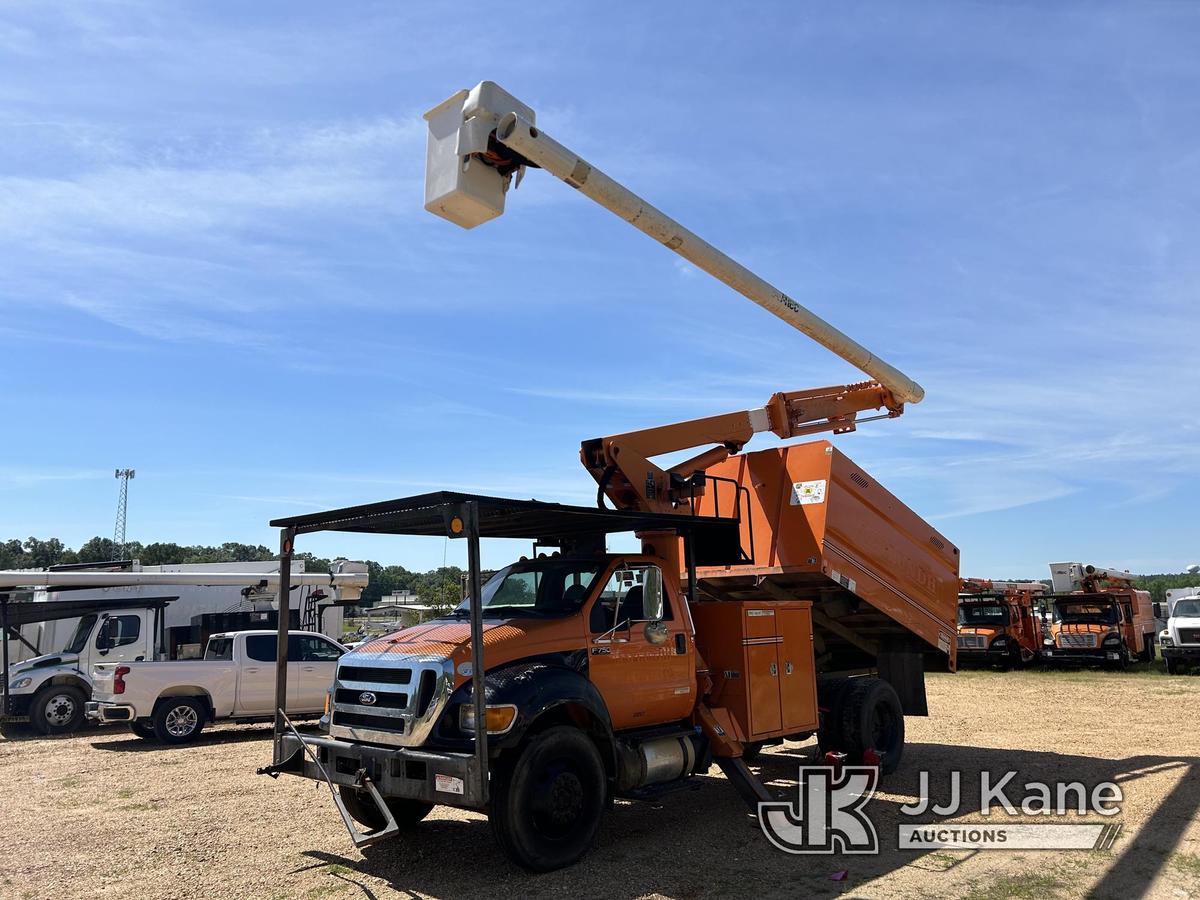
806,492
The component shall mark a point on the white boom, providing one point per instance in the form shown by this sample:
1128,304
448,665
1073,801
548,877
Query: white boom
466,177
348,580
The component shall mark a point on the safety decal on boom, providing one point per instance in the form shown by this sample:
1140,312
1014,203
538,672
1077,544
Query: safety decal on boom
806,492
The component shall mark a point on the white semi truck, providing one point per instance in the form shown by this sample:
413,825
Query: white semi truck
114,621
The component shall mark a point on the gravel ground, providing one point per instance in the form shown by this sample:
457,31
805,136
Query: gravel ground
103,814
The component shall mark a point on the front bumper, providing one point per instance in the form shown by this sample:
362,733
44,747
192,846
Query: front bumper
102,711
448,779
1188,651
1080,655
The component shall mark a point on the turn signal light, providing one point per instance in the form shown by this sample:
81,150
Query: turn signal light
499,718
119,679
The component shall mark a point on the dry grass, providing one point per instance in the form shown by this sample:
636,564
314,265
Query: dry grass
104,814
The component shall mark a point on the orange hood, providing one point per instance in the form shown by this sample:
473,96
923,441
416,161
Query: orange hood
503,640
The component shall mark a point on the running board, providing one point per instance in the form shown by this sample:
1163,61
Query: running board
749,788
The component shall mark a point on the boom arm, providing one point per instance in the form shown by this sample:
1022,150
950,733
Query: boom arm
624,473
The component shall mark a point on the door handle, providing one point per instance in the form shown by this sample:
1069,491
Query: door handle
253,669
774,670
307,669
680,644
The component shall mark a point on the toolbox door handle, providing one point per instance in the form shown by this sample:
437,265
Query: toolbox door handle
680,643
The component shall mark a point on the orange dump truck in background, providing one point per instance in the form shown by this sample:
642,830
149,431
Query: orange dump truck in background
1000,622
1098,617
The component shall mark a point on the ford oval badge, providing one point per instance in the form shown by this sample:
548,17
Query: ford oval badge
366,698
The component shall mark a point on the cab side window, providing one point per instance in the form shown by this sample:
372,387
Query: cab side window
261,647
621,601
315,649
119,631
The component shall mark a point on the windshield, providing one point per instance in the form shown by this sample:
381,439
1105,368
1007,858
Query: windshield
79,638
538,587
982,614
1188,608
1091,612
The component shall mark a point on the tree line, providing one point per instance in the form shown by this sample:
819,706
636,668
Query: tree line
440,587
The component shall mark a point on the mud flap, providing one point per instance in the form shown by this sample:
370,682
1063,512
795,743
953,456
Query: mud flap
362,780
902,667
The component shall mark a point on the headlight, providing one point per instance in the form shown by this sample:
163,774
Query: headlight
1048,642
1164,640
500,717
20,683
1112,638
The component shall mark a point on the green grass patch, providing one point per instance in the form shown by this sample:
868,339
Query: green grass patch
69,782
1031,886
1186,862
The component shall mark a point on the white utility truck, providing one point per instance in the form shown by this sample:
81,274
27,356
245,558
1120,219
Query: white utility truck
172,701
113,623
1180,640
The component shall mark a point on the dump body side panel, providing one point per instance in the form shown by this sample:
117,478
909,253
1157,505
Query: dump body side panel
825,531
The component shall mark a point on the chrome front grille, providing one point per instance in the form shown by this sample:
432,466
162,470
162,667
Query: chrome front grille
972,642
1189,635
1082,641
388,703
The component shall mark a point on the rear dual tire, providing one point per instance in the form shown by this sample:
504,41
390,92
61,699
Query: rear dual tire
862,714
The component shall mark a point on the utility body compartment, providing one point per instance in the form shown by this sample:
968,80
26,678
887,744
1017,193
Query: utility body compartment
760,658
882,581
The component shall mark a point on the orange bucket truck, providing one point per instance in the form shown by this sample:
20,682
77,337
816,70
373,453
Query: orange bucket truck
999,622
1098,617
783,593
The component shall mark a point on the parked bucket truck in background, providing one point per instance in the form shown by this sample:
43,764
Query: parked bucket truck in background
1098,617
114,616
777,594
1000,622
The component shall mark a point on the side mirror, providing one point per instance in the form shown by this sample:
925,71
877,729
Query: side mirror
652,594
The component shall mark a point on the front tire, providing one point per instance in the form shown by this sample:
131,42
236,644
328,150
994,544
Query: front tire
57,709
872,719
362,809
179,720
1173,666
546,807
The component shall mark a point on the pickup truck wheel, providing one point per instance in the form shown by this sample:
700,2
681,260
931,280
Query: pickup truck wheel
57,709
872,719
407,813
144,730
179,720
546,807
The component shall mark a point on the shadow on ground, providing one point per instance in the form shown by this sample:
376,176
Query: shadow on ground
725,853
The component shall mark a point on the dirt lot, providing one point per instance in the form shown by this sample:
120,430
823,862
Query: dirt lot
104,814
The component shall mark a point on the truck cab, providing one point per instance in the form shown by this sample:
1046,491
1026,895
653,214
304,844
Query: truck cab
1112,627
1180,640
998,623
52,689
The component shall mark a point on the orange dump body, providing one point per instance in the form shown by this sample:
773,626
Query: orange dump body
819,528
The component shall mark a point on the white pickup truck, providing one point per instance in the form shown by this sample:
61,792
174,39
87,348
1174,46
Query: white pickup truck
172,701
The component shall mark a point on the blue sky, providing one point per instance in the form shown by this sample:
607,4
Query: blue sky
216,267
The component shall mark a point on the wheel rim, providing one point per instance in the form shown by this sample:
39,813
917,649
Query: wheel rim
60,709
558,801
883,729
181,721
